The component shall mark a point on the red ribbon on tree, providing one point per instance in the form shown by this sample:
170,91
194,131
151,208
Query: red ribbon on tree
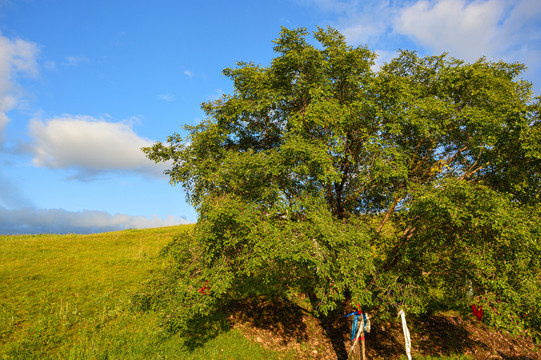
204,288
478,312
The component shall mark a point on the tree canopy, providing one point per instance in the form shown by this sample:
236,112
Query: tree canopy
386,188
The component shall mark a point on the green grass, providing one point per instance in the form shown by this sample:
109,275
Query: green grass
68,297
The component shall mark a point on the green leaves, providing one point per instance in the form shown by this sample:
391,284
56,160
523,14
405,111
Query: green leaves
383,189
469,235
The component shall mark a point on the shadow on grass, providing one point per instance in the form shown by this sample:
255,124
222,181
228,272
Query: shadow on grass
284,325
278,322
281,317
204,329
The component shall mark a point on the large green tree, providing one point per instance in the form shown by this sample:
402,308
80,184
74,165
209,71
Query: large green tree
386,189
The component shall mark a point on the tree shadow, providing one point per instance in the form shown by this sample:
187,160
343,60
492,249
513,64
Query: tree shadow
444,336
337,330
282,322
282,325
449,335
203,329
383,340
519,357
281,317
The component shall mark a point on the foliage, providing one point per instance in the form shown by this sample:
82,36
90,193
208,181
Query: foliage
378,188
477,245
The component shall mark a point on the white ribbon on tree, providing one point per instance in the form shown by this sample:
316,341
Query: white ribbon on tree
406,333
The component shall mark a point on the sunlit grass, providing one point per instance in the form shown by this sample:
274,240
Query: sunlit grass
68,297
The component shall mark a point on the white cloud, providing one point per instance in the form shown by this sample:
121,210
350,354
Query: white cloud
90,146
508,30
368,23
166,97
50,65
466,28
58,221
75,60
188,73
383,56
494,28
16,57
361,22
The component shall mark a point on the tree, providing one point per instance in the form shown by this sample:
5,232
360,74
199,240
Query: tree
386,189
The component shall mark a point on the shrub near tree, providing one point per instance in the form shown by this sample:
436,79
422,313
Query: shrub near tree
383,189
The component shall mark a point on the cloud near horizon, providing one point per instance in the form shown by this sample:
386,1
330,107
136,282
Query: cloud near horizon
90,146
59,221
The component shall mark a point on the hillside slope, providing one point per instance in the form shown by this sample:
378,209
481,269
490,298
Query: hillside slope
288,327
68,297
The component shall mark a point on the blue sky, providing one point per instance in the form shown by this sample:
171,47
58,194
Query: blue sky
85,84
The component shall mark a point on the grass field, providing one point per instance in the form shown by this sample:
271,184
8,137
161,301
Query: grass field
68,297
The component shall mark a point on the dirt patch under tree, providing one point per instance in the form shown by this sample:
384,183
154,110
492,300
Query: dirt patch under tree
288,327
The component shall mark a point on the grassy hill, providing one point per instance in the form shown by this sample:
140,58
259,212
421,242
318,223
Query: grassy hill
68,297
